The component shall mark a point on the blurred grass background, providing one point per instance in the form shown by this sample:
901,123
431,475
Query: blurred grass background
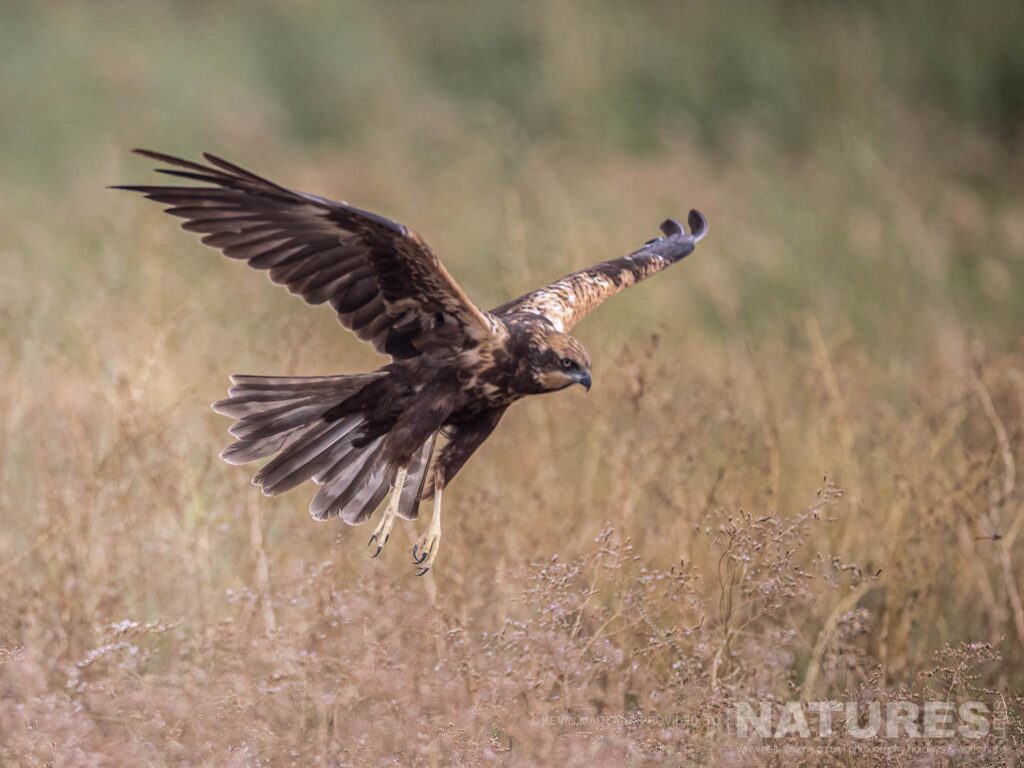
855,313
832,117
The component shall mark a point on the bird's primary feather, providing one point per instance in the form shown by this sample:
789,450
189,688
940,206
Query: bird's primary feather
379,276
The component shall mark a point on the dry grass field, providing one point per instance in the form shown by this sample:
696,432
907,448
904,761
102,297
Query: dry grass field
799,475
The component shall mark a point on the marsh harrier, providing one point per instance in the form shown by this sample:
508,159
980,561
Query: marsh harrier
454,368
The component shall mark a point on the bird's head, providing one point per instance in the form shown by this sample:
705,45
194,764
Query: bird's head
560,361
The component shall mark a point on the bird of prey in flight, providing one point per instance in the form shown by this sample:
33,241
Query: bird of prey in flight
454,368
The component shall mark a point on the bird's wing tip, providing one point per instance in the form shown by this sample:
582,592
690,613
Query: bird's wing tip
698,225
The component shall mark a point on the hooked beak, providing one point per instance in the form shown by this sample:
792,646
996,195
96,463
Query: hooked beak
583,378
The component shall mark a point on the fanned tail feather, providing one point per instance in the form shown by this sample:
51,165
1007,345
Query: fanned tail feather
360,479
285,415
354,485
415,480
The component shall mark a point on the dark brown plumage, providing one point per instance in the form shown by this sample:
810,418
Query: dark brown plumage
454,369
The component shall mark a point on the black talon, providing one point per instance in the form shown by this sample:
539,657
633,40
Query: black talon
421,558
422,571
379,546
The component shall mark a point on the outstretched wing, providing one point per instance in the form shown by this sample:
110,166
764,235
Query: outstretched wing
567,301
381,278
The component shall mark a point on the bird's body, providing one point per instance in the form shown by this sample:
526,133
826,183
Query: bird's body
455,369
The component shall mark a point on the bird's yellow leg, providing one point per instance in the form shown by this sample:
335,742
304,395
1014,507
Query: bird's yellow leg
383,530
425,550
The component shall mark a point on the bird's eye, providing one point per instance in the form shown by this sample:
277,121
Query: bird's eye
568,364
